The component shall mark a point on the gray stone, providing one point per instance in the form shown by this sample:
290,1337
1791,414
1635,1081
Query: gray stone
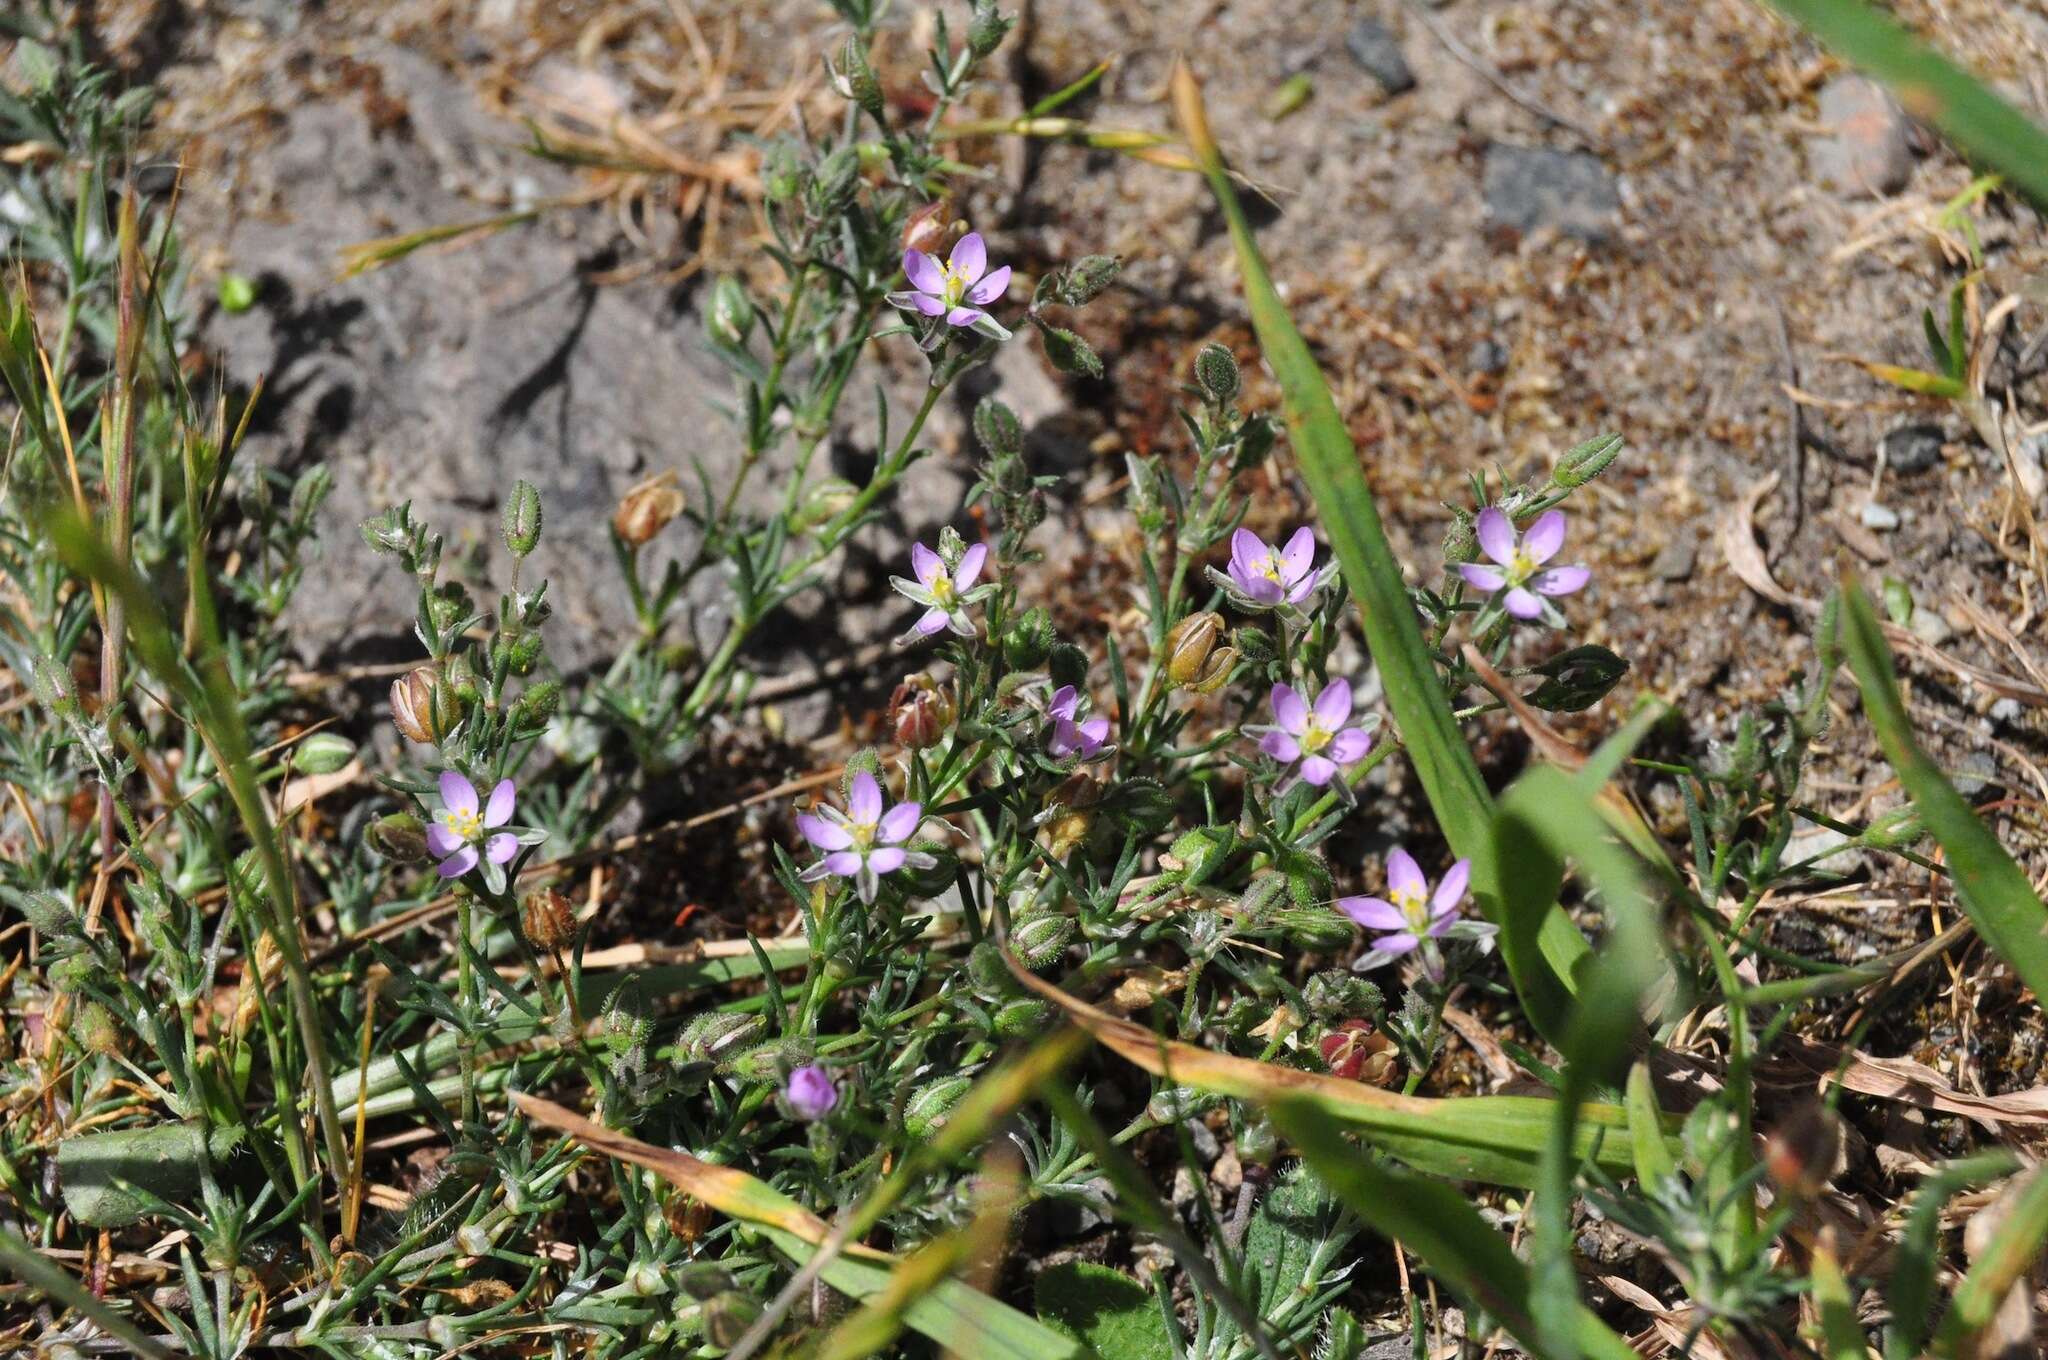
1930,627
1675,561
1530,187
1975,775
1882,518
1487,356
1819,840
1914,448
1868,145
1374,47
2006,711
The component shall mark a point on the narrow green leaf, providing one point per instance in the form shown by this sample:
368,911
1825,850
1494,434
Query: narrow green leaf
1654,1162
1932,88
1911,1292
38,1271
1330,465
1840,1332
1994,891
2013,1248
1433,1221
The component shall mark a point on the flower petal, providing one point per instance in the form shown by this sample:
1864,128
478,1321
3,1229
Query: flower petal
928,304
1396,944
1561,580
457,793
459,863
1094,732
926,563
924,272
1247,551
498,811
502,847
1280,746
1545,536
1404,875
1262,589
1451,891
864,799
1374,913
844,863
1333,705
969,569
929,622
441,841
887,859
1318,770
866,883
899,823
990,288
821,833
1065,700
1289,709
969,259
1349,746
1479,577
964,316
1496,534
1523,605
1298,554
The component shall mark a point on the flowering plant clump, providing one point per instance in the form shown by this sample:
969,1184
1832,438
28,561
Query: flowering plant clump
865,841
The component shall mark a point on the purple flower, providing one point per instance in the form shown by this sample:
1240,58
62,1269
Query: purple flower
956,290
944,592
1073,735
864,842
810,1092
1269,576
1414,914
459,826
1519,577
1314,740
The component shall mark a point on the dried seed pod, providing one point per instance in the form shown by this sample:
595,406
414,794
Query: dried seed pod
547,919
421,708
1799,1154
1193,660
1353,1049
647,508
921,712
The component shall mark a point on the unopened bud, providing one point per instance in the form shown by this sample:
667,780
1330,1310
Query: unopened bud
824,502
400,836
1030,639
421,708
1040,939
998,428
1799,1155
1090,274
647,509
986,31
729,318
727,1317
1071,813
522,518
1193,660
930,227
1461,542
547,919
95,1029
1587,461
925,1113
323,753
1216,372
920,712
854,78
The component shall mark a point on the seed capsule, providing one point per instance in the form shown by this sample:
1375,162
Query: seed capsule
547,919
647,508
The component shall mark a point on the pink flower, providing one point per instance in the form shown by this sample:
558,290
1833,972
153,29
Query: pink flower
1314,741
944,592
1519,577
1070,737
863,842
459,826
957,290
1414,914
810,1092
1269,576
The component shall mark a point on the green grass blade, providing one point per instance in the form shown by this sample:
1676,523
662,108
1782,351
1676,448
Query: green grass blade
2013,1249
1435,1222
1994,891
32,1268
1330,465
1932,88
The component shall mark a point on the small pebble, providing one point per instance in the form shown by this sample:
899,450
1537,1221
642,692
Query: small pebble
1882,518
1868,148
1529,187
2005,711
1914,448
1375,48
1486,356
1976,775
1817,840
1931,628
1675,562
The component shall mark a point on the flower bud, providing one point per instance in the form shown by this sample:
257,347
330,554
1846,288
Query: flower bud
1461,542
998,428
1090,274
855,80
986,31
522,518
391,531
926,1111
727,1317
1021,1018
1799,1155
768,1061
400,836
547,919
729,318
1030,639
825,501
421,708
647,509
52,685
920,712
715,1035
1041,937
1192,658
1587,461
323,753
1354,1050
95,1029
1216,372
929,227
1335,994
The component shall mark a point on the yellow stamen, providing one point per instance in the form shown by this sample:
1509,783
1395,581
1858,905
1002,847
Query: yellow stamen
466,825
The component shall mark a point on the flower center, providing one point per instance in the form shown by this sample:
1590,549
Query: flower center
1415,908
1521,567
466,825
1315,736
1269,568
941,588
954,288
863,834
